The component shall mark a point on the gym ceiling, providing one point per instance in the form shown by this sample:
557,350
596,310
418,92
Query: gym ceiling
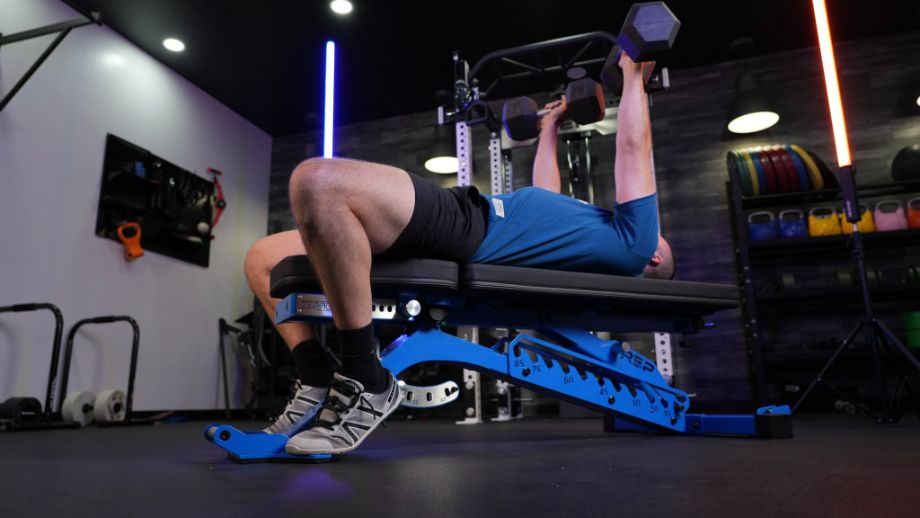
264,59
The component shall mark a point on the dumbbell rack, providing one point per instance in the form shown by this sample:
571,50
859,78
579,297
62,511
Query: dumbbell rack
754,259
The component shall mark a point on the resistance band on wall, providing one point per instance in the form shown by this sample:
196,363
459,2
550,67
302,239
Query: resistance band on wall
330,94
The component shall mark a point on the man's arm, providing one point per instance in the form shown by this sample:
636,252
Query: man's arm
545,167
633,165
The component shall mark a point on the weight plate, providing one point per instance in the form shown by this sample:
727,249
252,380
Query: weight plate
768,181
109,406
830,179
779,183
78,407
817,181
749,172
739,172
760,184
781,176
784,178
800,169
800,181
743,180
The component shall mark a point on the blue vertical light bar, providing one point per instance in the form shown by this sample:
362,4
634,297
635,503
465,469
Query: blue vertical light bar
330,96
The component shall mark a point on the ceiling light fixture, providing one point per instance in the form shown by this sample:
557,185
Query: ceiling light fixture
341,7
753,122
443,152
918,101
174,45
750,110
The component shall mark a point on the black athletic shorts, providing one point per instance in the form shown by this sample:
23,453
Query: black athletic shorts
446,224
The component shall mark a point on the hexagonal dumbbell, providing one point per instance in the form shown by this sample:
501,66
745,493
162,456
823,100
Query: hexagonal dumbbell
648,34
521,116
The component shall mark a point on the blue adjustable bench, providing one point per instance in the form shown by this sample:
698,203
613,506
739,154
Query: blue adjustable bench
566,361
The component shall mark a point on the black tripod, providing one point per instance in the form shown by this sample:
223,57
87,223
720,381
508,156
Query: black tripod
881,340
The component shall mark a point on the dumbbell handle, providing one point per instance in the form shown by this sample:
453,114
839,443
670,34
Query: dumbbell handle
539,114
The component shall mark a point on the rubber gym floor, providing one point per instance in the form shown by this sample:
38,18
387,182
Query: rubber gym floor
837,465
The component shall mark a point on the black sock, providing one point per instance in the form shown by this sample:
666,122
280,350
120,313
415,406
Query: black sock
359,358
313,364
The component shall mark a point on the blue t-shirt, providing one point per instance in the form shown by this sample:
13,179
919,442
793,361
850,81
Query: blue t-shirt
537,228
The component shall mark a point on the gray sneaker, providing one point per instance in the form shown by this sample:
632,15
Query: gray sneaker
349,414
304,404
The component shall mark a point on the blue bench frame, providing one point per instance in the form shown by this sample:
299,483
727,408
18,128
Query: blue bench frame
561,358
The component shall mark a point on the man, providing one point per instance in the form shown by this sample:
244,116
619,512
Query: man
348,212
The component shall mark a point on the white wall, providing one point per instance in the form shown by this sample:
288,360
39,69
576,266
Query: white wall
52,140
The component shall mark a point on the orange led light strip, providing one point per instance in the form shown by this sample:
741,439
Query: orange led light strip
833,87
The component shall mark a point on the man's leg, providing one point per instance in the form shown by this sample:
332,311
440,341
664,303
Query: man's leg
313,365
261,258
346,212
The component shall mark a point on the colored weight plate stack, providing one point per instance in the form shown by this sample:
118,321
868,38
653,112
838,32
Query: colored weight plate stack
777,169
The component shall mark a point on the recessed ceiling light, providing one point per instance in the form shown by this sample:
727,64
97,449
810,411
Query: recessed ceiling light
174,45
918,101
341,6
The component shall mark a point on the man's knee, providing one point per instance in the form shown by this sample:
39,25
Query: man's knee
314,179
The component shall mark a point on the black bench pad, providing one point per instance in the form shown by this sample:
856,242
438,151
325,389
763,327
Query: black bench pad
558,288
526,286
295,274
